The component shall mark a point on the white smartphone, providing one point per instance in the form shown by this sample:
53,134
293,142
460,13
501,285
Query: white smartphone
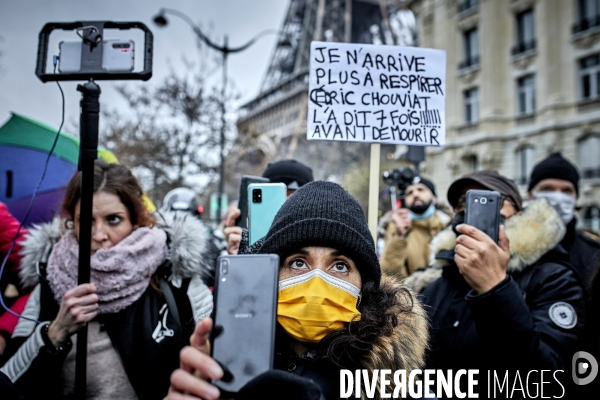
117,56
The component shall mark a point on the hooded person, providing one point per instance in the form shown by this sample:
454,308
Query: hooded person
412,227
556,180
511,306
145,293
327,254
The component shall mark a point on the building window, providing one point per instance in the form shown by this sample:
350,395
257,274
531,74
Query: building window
526,95
525,160
587,153
473,163
467,5
470,49
525,33
591,218
588,12
471,105
589,77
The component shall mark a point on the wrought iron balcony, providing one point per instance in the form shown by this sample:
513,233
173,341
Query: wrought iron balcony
522,47
586,23
469,62
465,5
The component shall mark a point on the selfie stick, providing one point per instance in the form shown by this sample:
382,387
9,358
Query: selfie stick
88,152
91,70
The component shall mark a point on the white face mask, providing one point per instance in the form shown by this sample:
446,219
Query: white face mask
561,202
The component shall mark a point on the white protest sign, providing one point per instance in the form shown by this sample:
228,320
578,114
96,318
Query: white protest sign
377,94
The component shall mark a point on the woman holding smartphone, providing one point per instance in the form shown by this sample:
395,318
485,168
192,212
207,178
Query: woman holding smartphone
144,295
334,309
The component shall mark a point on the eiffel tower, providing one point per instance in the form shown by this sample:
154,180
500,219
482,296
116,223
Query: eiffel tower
272,126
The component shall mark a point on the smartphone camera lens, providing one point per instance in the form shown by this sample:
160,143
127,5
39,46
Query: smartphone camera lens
224,267
483,200
257,195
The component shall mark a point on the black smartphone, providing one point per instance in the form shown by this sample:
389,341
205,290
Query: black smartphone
246,307
483,211
242,220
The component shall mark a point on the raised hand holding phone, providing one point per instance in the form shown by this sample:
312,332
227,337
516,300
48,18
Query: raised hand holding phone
246,309
196,367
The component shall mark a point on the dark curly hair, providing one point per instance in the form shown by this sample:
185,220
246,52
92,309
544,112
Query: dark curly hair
381,308
116,179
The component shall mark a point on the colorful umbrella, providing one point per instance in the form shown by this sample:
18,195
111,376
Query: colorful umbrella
24,147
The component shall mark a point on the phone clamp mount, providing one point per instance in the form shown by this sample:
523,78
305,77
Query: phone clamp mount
91,33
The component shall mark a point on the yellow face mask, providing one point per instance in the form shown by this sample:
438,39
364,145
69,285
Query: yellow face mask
315,303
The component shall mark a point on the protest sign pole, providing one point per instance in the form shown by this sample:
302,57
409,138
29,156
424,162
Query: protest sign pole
374,189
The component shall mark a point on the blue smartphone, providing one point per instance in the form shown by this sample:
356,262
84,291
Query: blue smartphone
264,200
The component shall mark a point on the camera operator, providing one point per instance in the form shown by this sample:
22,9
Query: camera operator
407,237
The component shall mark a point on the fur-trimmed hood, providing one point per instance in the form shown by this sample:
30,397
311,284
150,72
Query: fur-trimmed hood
531,235
404,348
191,251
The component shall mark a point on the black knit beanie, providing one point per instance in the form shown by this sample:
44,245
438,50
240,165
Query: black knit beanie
288,172
426,182
554,167
324,214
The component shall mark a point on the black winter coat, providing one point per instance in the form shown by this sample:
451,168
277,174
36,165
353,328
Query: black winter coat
583,252
147,362
529,321
145,335
510,326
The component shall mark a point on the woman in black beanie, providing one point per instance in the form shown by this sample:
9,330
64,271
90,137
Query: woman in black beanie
327,257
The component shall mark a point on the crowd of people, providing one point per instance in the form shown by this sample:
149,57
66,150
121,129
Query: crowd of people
443,295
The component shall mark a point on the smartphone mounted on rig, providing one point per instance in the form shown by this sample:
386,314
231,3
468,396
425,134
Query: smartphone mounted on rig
93,57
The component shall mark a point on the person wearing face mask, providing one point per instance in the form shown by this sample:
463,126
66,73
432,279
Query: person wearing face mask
407,237
335,310
515,305
557,181
145,293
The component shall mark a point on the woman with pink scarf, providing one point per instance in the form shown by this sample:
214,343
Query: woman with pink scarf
146,292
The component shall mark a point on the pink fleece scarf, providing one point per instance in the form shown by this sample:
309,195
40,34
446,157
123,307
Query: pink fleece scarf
121,273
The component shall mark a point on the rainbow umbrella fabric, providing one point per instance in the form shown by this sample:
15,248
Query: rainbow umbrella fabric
24,147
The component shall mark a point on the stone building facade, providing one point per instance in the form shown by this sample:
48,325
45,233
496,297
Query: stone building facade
523,81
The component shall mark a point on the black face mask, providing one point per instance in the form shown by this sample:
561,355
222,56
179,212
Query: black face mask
420,209
459,218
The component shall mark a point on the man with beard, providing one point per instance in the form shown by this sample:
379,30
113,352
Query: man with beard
407,237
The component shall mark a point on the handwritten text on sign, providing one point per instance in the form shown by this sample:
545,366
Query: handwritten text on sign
378,94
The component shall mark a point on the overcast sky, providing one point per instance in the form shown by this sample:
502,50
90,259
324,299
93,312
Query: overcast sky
21,21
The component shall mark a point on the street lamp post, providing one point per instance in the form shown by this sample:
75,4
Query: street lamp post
225,50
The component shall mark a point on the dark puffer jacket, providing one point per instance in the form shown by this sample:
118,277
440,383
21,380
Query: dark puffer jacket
583,252
529,321
146,335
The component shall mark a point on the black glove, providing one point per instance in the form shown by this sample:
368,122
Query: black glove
276,384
